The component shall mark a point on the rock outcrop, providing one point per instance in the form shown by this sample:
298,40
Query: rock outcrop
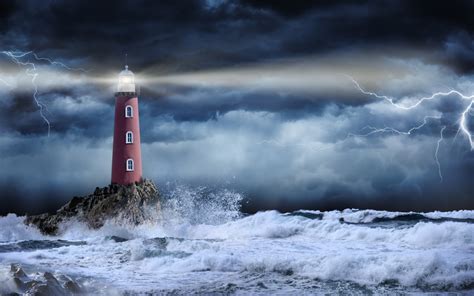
45,284
133,203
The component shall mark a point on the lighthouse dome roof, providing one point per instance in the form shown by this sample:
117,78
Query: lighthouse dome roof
126,81
126,72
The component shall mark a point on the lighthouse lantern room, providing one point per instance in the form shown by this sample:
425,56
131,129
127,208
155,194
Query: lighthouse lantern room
126,156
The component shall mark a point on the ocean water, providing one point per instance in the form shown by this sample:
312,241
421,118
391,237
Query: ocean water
202,244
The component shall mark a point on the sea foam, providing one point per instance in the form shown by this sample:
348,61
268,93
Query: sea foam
204,242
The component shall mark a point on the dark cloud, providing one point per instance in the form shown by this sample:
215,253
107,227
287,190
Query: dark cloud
202,135
298,8
188,35
7,9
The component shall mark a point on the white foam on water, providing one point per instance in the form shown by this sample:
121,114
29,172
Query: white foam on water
189,251
12,229
367,216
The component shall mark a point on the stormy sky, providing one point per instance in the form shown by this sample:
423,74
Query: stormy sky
251,96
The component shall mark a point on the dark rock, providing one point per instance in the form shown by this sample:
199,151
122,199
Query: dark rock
72,287
132,203
73,203
53,287
49,277
261,285
31,284
39,290
17,271
19,283
46,285
118,239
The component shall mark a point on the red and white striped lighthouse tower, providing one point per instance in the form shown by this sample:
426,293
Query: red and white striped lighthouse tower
126,158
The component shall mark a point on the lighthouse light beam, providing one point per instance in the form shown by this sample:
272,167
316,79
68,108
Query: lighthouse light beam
308,77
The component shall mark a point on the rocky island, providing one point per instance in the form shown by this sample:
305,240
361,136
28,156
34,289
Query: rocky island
134,203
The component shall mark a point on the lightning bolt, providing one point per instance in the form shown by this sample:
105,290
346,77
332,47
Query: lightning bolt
56,63
374,130
6,83
463,124
436,152
396,131
32,71
462,120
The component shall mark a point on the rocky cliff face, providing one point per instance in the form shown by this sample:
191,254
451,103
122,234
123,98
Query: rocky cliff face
133,203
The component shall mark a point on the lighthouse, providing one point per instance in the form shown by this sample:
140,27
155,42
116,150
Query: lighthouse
126,156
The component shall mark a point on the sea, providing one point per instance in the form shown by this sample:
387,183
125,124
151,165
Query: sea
202,244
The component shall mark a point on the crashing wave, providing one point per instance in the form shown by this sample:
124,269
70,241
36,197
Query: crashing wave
207,243
373,216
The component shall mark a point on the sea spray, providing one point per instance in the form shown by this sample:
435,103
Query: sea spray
203,243
200,205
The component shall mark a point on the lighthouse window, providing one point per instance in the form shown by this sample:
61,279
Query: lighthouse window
129,111
130,167
129,138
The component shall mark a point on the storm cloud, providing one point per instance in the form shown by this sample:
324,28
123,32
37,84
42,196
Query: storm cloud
247,95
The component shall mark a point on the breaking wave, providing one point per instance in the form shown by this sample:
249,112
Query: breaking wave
204,241
373,216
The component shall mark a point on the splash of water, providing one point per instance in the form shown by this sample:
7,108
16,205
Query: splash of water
201,205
